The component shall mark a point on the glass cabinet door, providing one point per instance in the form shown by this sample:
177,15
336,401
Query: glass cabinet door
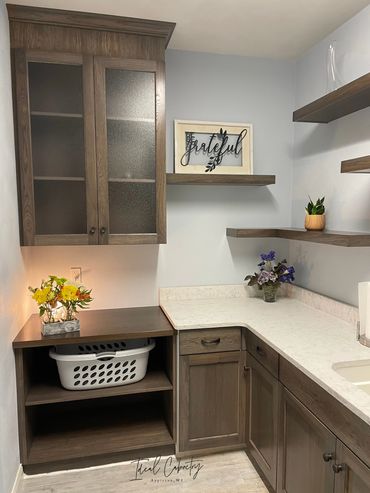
130,182
60,201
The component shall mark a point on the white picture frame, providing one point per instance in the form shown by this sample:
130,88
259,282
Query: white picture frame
213,147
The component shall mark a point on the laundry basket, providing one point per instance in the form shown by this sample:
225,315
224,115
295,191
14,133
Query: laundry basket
106,364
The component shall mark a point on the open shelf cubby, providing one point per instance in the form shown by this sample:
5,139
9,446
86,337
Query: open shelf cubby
74,428
85,428
337,238
348,99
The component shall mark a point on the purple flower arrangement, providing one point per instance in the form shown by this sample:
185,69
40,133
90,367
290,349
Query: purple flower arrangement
271,272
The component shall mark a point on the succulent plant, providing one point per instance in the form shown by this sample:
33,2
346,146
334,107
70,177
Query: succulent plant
316,209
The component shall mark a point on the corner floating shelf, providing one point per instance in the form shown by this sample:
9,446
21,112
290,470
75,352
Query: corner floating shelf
209,179
357,165
337,238
347,99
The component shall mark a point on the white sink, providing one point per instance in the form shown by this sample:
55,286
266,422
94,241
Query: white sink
356,372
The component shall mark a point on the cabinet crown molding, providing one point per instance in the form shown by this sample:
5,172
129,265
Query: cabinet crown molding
89,20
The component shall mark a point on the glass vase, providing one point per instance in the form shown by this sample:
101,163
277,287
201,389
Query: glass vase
333,78
269,293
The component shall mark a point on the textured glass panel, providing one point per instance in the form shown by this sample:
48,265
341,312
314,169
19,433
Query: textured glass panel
57,146
55,87
131,149
130,94
60,207
132,208
58,154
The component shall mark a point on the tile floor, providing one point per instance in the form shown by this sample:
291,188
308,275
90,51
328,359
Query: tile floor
221,473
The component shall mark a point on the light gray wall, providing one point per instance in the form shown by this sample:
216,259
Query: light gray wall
203,87
319,149
12,285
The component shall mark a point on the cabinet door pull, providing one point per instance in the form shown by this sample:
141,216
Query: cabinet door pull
260,351
328,456
211,342
102,230
92,230
247,368
338,468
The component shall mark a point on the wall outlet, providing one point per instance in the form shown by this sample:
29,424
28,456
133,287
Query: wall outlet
76,274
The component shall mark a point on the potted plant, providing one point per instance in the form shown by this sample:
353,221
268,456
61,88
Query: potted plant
58,300
315,217
271,275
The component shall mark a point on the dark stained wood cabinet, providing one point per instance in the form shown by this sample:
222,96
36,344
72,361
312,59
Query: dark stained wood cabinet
306,449
352,475
211,399
64,429
262,418
89,104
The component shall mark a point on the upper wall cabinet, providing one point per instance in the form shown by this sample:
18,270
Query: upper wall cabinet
89,105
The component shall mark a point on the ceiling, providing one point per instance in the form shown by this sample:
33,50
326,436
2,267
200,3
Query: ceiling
259,28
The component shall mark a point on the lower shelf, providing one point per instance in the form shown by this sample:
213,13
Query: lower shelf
77,432
52,392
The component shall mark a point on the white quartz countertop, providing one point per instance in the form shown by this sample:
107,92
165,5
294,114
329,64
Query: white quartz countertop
309,338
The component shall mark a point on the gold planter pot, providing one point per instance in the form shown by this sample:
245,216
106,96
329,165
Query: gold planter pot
314,222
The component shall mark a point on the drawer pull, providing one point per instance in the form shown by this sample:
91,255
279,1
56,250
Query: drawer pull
338,468
260,351
211,342
328,456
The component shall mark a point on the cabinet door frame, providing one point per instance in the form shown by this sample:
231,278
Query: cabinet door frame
24,145
351,463
269,470
209,444
100,65
286,398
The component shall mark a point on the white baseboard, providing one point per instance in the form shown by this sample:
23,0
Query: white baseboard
17,480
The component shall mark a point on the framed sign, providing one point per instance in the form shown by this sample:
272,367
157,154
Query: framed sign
210,147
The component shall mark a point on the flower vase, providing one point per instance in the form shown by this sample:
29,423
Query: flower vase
269,292
61,327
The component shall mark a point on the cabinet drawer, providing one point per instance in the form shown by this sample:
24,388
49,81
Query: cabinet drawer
263,353
210,340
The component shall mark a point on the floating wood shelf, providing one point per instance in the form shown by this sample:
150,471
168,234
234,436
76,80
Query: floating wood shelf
52,392
347,99
209,179
357,165
338,238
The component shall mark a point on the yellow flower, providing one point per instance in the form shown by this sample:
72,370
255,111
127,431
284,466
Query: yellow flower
42,295
69,293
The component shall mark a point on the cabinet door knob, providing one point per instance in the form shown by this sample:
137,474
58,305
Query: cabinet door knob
102,230
211,342
328,456
92,230
338,468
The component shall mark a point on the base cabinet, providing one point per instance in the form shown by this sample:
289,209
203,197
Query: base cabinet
262,418
212,401
352,475
306,450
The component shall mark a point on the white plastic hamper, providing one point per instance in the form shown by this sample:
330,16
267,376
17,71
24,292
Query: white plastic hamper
93,366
